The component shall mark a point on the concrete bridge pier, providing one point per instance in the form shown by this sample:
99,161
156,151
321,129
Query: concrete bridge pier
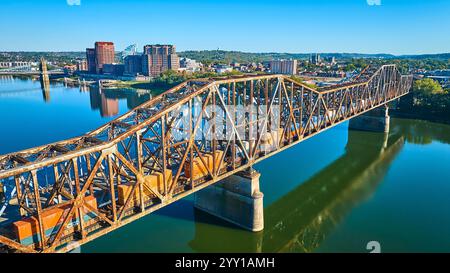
236,199
376,120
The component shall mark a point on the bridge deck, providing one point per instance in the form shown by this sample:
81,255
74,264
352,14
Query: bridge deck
179,142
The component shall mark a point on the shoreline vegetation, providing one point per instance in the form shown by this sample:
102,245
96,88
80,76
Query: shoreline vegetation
422,117
427,100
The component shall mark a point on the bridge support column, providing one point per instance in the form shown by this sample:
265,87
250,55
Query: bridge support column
236,199
376,120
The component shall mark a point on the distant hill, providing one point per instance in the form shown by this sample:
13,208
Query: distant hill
442,56
237,56
221,56
30,56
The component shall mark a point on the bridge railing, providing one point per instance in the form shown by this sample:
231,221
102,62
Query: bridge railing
179,142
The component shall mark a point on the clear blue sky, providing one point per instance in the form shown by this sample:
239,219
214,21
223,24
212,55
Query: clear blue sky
395,26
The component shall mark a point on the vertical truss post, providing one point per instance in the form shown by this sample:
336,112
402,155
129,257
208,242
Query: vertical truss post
37,197
164,152
234,121
112,191
22,212
215,93
77,190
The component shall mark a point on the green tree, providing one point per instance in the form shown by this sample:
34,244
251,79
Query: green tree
427,86
350,67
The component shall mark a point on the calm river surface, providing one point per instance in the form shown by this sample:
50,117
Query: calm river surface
332,193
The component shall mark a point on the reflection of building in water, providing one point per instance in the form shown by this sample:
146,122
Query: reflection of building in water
107,100
94,96
109,107
302,219
134,97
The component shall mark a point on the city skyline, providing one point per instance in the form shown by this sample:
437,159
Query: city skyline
396,27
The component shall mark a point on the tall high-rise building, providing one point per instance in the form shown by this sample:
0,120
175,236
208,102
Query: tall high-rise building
315,59
331,60
109,107
90,57
159,58
133,65
104,54
284,67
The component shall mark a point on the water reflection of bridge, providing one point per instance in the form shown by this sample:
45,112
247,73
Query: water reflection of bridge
302,219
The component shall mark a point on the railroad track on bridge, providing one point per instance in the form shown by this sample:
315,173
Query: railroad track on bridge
62,195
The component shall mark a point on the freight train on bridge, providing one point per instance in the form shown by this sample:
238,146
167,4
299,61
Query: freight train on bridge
195,136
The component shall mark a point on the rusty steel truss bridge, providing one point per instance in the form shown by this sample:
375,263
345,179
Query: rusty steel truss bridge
59,196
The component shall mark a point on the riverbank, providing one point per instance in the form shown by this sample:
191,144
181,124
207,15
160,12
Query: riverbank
426,101
156,87
419,116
